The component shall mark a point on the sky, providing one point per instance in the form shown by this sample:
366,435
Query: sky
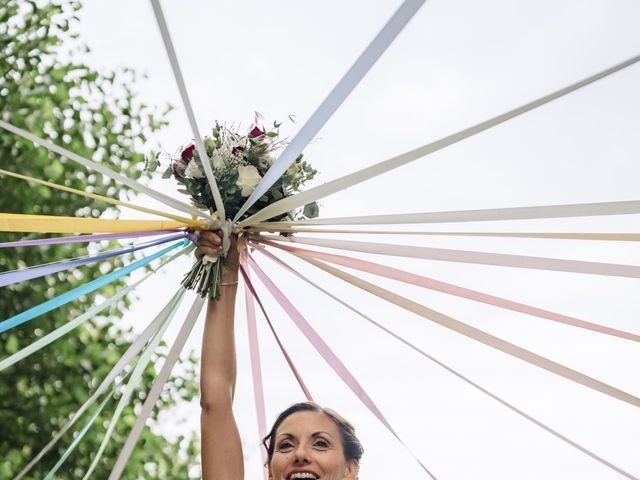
456,63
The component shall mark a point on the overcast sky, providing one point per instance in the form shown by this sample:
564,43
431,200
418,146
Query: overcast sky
457,63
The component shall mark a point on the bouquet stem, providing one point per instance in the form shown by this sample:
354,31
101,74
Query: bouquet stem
205,278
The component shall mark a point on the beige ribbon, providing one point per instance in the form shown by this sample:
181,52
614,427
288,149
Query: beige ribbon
611,236
478,335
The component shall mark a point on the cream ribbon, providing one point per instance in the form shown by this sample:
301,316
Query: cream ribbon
308,196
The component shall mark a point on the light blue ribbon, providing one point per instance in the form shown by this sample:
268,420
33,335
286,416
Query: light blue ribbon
85,289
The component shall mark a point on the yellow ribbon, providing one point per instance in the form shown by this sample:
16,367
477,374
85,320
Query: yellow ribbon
15,222
186,220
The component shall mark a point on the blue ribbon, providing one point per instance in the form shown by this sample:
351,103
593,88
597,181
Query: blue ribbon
85,289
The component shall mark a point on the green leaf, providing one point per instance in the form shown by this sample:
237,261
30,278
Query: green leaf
167,173
311,210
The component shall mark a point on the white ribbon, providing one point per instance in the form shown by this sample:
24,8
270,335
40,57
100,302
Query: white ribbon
131,352
329,188
157,387
161,197
175,66
336,97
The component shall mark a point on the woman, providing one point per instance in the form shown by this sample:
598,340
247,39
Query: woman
306,441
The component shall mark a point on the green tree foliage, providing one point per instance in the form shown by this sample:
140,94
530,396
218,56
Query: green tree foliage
47,91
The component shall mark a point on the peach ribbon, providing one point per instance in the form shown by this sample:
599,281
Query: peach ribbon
447,367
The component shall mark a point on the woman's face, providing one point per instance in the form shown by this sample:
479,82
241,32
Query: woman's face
308,445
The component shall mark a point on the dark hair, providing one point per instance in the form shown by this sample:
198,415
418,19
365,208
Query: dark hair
351,445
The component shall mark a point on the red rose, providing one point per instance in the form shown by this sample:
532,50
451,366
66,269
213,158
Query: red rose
255,133
187,153
236,150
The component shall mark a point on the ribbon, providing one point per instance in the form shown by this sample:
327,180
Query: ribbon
16,276
256,370
175,66
292,367
336,97
91,313
465,256
167,200
629,207
446,367
120,365
79,437
329,188
85,289
328,355
102,198
425,282
132,384
616,237
83,238
478,335
16,222
157,387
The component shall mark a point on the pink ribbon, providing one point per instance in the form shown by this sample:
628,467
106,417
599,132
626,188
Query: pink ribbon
425,282
253,292
448,368
327,354
256,371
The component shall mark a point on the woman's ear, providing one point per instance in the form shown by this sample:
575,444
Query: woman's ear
352,470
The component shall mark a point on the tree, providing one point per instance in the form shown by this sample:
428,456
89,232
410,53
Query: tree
45,90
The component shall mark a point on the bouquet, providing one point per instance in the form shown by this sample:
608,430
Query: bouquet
238,161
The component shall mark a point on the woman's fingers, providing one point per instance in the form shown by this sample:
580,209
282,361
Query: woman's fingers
210,238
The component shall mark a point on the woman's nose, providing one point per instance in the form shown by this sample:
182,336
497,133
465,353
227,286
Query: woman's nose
301,454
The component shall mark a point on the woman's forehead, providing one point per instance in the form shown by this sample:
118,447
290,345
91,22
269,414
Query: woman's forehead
307,423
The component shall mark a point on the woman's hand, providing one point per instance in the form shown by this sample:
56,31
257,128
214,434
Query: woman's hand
211,244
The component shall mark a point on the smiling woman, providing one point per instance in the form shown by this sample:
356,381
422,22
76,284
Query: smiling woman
306,440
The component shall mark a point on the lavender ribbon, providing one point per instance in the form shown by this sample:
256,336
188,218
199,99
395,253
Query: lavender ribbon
94,237
16,276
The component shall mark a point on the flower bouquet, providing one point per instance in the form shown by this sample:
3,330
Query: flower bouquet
238,161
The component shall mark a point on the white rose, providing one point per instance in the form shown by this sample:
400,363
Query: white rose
192,170
248,178
218,159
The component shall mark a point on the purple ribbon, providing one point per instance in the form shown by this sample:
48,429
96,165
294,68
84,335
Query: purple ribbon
16,276
94,237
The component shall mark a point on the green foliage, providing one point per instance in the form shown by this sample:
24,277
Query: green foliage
43,89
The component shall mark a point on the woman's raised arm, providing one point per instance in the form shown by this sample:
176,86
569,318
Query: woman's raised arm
222,457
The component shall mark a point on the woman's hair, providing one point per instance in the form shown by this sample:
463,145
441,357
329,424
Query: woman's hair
352,447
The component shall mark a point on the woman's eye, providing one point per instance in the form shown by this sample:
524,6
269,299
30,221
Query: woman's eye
285,445
321,443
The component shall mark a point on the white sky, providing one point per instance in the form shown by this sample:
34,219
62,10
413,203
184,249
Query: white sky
457,63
